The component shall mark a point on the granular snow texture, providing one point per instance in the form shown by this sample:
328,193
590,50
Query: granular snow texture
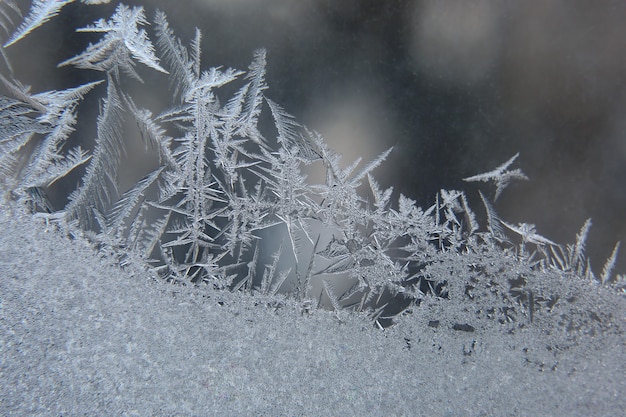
81,337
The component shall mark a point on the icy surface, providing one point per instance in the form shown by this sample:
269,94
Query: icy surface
80,337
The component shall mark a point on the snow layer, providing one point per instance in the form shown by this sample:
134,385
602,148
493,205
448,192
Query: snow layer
81,337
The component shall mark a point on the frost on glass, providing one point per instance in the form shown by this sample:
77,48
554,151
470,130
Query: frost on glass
244,245
227,201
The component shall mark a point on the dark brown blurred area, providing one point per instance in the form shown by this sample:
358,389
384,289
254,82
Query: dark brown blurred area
457,87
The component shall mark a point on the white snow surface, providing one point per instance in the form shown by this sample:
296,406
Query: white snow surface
79,336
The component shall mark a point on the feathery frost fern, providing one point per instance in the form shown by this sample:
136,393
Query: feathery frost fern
228,202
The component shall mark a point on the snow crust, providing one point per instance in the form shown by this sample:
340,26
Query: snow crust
79,336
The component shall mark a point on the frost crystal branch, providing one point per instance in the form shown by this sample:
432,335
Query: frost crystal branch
500,176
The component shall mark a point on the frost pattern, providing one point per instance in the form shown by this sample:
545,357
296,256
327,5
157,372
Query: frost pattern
229,203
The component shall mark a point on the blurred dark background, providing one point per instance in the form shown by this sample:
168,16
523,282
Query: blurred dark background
456,87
